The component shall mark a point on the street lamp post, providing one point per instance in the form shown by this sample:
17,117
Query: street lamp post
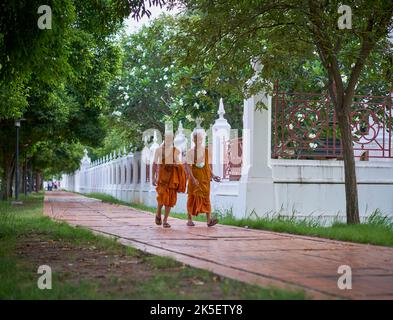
17,125
25,179
25,176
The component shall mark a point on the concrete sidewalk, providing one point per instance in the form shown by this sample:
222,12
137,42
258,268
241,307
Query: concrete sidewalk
253,256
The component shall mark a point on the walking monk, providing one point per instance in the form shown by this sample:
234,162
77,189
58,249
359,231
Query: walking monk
199,171
169,179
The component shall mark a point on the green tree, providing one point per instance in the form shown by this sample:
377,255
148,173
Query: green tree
56,79
284,33
154,87
24,48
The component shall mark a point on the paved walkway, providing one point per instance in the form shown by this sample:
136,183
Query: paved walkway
253,256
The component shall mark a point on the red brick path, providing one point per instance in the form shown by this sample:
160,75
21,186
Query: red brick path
253,256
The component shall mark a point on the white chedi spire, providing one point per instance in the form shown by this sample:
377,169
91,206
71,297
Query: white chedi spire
221,122
86,161
221,109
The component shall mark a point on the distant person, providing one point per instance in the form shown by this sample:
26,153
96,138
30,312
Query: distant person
50,185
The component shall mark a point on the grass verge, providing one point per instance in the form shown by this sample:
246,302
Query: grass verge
88,266
377,230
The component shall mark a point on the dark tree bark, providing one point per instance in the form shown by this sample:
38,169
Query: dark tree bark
12,180
38,181
31,178
7,176
351,189
6,180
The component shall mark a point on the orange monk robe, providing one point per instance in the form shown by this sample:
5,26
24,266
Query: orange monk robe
171,178
198,200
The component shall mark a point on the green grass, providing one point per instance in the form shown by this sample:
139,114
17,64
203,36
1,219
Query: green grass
158,277
378,229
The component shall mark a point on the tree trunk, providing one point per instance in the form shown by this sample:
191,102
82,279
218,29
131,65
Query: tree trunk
351,190
5,183
31,178
38,181
24,179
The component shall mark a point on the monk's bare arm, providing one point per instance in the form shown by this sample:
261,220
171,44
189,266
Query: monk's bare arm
188,170
215,177
212,175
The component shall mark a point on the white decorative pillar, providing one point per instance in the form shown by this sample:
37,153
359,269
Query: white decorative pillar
221,134
145,160
154,146
85,165
128,187
257,187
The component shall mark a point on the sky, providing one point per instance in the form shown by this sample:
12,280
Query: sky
133,26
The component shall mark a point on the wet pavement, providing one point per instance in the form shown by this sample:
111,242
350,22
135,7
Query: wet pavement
253,256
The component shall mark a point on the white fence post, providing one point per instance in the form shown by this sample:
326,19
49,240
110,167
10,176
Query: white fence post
221,134
257,187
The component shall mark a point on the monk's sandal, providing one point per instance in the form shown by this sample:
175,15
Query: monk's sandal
212,222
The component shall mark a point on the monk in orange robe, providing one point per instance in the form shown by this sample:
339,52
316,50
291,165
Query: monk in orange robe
169,178
199,171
